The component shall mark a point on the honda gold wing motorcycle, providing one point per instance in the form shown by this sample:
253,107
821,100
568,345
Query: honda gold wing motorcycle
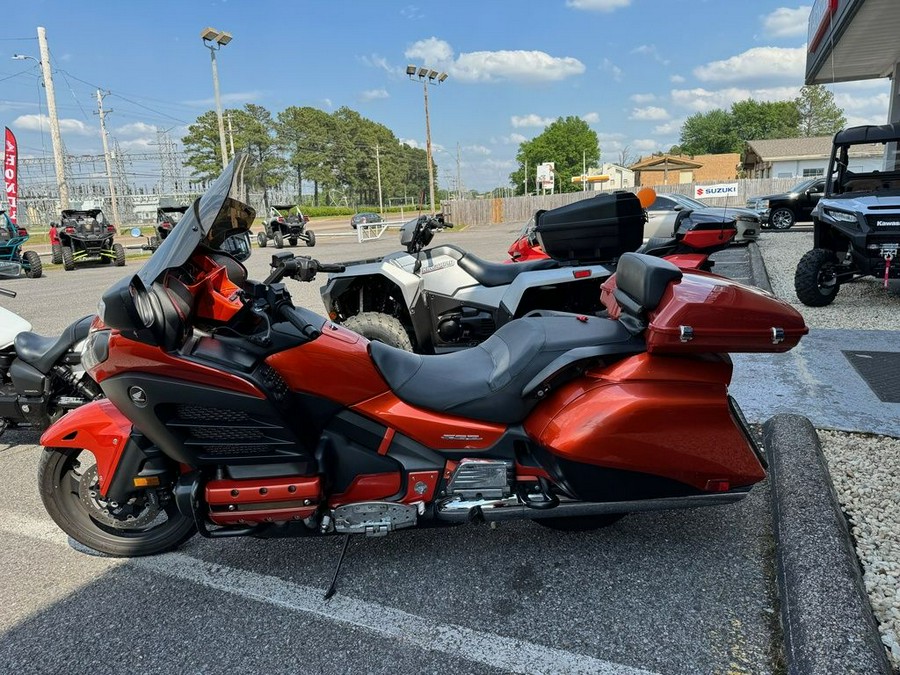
41,378
444,299
231,412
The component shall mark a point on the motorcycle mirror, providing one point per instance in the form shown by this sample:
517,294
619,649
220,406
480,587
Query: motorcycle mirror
136,232
646,196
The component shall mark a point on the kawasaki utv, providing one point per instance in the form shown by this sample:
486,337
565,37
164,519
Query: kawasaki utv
12,260
84,235
286,223
856,224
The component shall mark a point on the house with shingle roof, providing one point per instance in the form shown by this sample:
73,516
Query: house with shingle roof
803,157
667,169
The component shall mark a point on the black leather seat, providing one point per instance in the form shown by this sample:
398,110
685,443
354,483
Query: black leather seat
487,381
490,273
42,352
658,246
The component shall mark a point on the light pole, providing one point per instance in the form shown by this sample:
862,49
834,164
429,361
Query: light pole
427,77
214,40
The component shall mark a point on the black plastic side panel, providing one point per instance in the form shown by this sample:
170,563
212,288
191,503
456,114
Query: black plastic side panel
27,380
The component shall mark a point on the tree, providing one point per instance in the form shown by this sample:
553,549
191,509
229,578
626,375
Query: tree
756,120
708,133
818,114
202,147
569,143
254,131
304,135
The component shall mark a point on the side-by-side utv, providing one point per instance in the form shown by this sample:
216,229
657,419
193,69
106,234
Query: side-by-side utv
84,235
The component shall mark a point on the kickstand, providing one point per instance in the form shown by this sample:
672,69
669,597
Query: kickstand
337,570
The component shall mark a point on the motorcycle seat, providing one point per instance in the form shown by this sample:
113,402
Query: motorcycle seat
487,382
656,244
491,274
42,352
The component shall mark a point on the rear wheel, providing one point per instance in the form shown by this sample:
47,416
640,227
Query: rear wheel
68,258
580,523
815,280
33,266
56,253
310,238
261,239
119,251
278,239
146,524
781,219
378,327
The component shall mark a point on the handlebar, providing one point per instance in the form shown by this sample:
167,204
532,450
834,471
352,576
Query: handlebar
302,268
285,311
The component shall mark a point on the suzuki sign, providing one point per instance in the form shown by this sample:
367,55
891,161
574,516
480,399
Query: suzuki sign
720,190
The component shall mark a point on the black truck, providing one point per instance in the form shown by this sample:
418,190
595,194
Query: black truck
783,210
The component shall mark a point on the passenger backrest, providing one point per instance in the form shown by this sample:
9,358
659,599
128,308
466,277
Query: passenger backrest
641,281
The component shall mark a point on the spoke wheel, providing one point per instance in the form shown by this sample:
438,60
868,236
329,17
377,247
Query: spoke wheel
147,523
781,219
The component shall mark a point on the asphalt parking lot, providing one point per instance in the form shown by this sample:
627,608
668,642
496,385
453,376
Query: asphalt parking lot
679,592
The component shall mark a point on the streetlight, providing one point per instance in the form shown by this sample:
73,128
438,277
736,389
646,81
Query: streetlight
214,40
427,77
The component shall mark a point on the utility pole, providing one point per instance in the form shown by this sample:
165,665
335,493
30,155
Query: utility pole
525,182
458,177
230,134
428,148
378,169
61,184
112,188
583,171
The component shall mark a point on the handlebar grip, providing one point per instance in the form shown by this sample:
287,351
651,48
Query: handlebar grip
306,329
323,267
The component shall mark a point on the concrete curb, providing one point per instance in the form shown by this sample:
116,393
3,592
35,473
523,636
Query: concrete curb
827,620
758,268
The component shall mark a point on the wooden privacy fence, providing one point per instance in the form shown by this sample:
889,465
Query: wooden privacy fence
519,209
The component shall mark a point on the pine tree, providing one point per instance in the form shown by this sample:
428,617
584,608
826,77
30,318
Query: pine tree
819,114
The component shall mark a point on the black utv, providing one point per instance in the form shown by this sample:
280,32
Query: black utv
856,224
84,235
167,218
286,223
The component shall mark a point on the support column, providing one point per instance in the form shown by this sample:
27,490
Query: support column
892,149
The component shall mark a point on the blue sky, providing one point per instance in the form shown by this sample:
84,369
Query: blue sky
632,69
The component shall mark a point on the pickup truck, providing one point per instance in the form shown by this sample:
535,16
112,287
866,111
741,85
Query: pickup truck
783,210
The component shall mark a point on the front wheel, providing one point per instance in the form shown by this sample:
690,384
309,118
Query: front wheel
378,327
310,238
278,239
815,280
781,219
33,266
147,524
56,253
119,252
261,239
68,258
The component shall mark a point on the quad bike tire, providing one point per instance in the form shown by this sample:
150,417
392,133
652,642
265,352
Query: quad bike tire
378,327
278,239
56,253
33,266
60,485
292,241
68,258
261,239
154,242
580,523
119,251
310,238
815,280
782,219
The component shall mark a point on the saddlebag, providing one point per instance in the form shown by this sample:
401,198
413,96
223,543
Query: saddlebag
600,228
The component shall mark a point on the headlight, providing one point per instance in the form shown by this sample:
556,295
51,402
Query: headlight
762,204
747,219
841,216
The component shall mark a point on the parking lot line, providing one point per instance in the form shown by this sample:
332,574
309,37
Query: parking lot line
479,647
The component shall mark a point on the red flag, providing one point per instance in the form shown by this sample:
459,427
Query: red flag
11,175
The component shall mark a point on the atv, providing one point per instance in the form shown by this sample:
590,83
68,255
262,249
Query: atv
286,223
12,259
167,218
84,235
856,224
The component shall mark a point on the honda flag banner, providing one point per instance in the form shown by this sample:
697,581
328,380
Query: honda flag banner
720,190
11,175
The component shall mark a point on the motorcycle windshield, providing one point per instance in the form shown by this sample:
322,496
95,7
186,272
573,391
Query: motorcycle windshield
215,212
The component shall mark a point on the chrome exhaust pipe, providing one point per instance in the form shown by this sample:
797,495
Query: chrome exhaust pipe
459,510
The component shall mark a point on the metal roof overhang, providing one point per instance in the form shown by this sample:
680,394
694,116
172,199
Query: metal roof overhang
852,40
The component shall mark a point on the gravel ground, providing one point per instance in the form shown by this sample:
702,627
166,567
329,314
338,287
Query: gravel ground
865,469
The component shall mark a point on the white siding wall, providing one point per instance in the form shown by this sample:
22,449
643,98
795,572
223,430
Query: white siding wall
794,168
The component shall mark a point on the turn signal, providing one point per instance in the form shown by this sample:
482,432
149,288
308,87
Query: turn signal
148,481
581,274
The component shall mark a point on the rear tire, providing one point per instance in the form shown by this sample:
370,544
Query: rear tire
68,258
60,477
34,268
56,253
782,219
580,523
815,280
261,239
119,250
278,239
378,327
310,238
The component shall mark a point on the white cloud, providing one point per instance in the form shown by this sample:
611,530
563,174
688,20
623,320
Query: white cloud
591,117
373,95
42,123
327,102
477,149
411,142
652,52
235,97
644,144
598,5
650,113
676,79
135,129
494,66
532,120
611,68
411,12
513,139
642,98
668,128
139,144
786,22
610,136
704,100
376,61
859,109
763,63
